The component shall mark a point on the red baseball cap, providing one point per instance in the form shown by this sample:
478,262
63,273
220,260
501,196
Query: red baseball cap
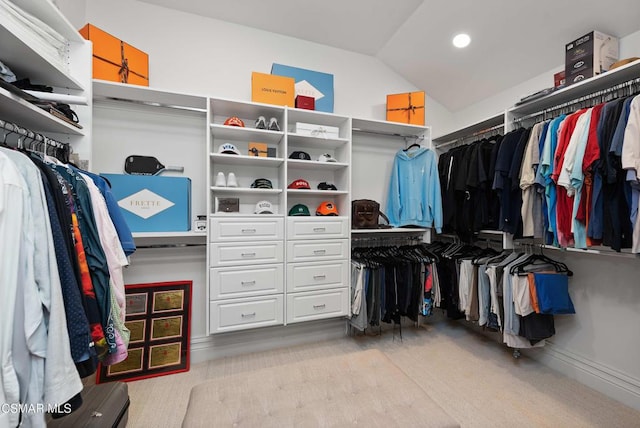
299,184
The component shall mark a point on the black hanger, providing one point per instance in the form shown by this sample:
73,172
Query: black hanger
559,266
412,146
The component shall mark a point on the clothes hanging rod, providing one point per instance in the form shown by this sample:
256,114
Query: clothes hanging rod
30,134
475,135
388,134
150,104
598,95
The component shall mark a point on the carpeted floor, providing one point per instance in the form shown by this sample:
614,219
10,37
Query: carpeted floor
474,380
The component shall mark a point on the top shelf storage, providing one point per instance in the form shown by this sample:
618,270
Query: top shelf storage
388,128
48,12
25,61
586,87
147,96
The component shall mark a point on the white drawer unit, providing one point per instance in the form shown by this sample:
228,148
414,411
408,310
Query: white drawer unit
315,305
317,275
317,228
241,253
234,282
309,251
241,314
246,229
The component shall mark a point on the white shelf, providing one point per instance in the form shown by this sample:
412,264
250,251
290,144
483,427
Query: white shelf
23,113
388,128
311,192
240,214
159,235
580,89
491,122
48,12
23,60
103,89
298,140
228,159
246,190
236,133
392,230
316,165
315,117
246,111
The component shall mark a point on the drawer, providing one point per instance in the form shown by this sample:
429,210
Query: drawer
241,314
317,228
309,251
317,276
233,282
246,229
317,305
231,254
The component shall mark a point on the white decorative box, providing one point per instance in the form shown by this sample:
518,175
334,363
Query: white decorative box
319,131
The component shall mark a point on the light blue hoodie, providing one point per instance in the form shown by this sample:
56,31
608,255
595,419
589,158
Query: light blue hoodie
414,191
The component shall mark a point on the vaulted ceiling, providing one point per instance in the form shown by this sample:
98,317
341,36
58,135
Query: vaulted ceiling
512,41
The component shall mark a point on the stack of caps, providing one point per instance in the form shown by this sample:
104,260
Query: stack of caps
264,207
299,184
261,183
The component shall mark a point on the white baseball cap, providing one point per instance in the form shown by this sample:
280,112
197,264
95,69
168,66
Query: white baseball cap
228,148
326,157
264,207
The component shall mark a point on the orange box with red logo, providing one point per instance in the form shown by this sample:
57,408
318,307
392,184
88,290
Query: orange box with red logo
272,89
115,60
406,108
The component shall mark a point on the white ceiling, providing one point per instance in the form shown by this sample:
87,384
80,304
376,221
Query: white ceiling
512,40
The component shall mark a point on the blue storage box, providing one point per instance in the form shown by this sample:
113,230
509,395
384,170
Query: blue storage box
153,203
310,83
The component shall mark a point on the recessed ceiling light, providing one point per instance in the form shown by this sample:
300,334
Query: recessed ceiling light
461,40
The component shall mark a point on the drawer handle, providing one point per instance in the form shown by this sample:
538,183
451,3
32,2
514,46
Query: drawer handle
322,306
248,231
252,314
319,252
248,254
319,229
319,276
248,282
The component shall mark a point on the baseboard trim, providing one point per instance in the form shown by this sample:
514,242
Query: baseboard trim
205,348
614,383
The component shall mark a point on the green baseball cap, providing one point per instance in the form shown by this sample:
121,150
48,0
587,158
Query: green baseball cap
299,209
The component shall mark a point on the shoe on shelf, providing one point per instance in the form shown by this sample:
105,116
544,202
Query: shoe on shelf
273,124
231,180
220,180
261,123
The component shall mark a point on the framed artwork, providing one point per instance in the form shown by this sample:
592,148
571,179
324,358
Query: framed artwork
159,319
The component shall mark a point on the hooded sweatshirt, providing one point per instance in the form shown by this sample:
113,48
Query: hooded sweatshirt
414,190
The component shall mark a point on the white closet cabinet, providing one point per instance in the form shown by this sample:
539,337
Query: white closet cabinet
275,269
69,75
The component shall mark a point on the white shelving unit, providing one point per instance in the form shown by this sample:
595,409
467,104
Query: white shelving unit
69,74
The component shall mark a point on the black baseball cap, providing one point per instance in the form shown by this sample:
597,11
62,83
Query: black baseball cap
300,155
261,183
326,186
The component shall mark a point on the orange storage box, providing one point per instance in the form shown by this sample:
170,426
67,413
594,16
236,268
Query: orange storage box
115,60
406,108
272,89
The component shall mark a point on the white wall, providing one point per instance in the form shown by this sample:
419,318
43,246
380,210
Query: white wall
195,54
629,47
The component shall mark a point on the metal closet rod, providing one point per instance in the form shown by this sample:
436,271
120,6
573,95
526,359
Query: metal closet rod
32,135
151,104
587,100
487,132
388,134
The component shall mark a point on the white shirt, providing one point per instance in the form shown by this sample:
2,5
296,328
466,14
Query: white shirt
12,191
580,134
